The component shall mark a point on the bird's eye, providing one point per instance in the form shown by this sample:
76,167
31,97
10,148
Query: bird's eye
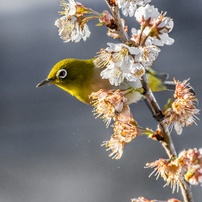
62,73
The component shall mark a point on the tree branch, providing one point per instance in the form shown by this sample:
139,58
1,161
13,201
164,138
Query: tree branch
167,143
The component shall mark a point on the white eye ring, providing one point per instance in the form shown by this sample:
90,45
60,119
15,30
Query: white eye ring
62,73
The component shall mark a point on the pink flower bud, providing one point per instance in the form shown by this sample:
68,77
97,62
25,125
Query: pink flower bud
107,18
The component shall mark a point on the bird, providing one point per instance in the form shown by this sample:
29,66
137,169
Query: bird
80,78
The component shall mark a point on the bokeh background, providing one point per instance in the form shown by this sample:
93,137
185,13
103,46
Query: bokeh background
49,141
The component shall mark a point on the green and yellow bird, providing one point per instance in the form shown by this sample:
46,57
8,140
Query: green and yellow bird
82,77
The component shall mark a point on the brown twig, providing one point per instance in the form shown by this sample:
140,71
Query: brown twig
115,12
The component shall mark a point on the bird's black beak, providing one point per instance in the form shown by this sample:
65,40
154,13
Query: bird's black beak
46,81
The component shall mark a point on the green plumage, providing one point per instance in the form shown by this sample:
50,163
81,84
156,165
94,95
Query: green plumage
82,77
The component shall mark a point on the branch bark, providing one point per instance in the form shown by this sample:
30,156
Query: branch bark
187,193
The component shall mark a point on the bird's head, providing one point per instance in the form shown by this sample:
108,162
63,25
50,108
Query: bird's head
61,74
73,76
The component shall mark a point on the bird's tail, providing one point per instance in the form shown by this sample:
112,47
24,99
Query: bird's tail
170,85
158,82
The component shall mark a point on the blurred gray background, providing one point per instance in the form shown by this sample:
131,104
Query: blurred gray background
49,141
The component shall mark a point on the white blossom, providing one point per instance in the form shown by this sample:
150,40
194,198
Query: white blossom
69,7
122,47
69,29
163,39
155,25
137,71
116,144
113,73
164,26
146,12
120,64
147,56
129,6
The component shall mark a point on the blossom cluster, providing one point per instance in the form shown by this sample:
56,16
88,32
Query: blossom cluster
142,199
125,62
131,60
182,111
72,25
113,105
194,176
177,170
172,171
